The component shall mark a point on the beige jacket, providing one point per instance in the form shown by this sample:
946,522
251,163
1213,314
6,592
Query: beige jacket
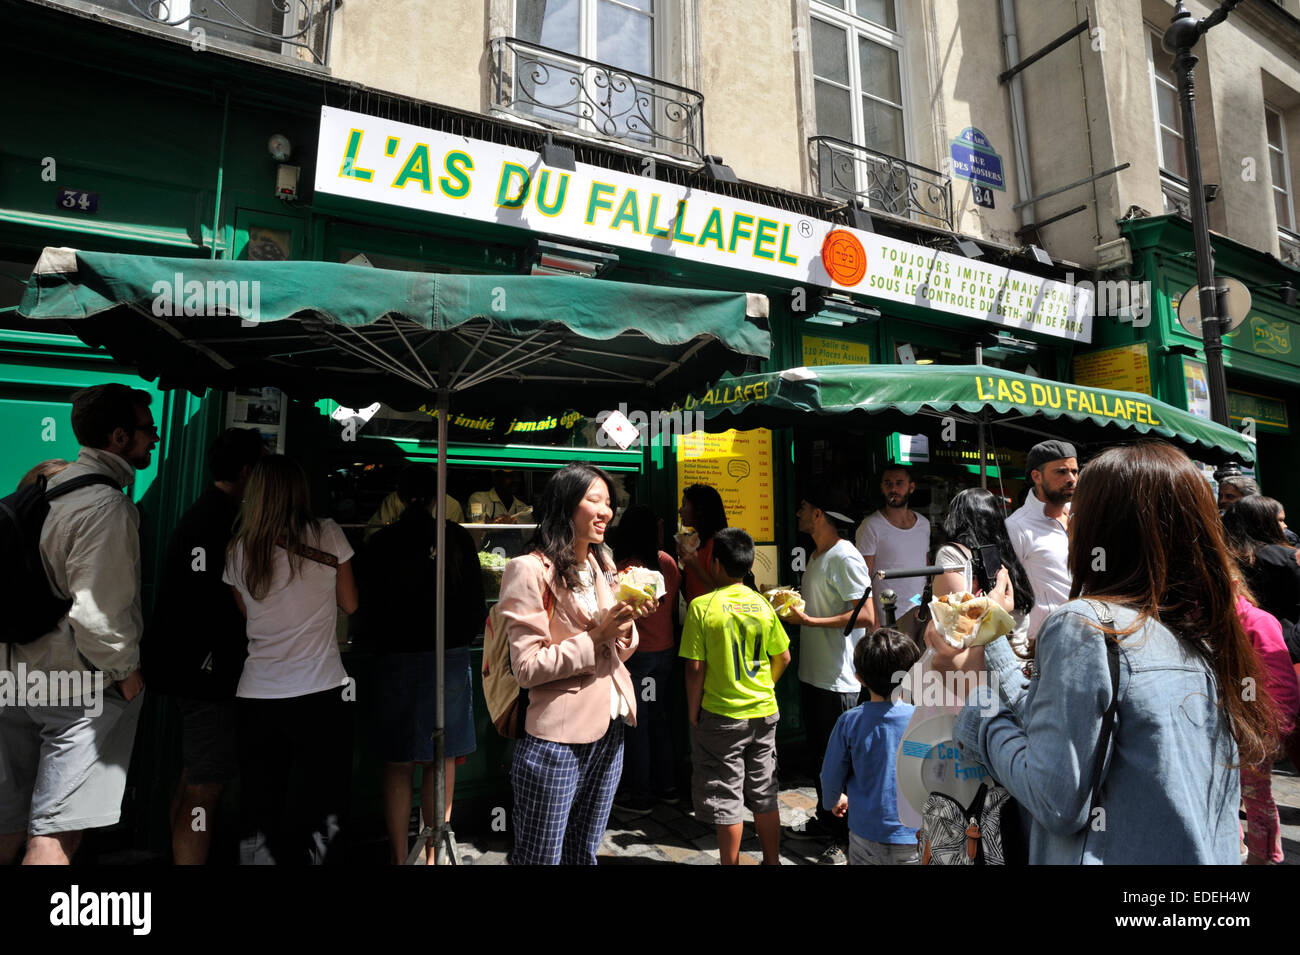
553,657
90,545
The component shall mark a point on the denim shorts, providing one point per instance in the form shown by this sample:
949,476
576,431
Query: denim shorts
408,688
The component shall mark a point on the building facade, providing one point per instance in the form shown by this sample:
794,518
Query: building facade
714,143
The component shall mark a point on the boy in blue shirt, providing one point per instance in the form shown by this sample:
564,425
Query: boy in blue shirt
858,776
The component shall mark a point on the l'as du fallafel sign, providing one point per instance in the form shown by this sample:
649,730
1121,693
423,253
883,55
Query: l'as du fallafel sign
381,160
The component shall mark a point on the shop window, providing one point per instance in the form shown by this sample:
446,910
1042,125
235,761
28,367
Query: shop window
1169,127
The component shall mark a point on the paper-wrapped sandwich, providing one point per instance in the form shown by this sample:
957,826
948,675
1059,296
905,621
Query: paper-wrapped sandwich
783,600
636,585
969,621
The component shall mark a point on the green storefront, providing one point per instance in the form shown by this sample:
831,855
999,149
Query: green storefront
159,150
1261,355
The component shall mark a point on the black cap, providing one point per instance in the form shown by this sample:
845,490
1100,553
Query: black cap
832,502
1046,451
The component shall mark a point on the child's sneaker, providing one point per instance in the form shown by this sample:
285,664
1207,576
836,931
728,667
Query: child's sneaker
833,855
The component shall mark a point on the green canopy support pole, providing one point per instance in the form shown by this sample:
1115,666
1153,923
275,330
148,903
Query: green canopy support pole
436,830
984,466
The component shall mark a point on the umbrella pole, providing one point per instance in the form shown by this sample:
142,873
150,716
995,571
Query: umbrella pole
984,468
438,829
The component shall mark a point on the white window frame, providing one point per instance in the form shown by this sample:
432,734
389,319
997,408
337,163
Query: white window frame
588,34
858,26
1285,186
662,20
1169,180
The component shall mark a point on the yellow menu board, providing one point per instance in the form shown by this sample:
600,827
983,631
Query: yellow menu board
738,465
1123,369
833,351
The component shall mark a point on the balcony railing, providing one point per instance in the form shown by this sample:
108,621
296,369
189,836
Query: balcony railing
297,28
597,99
885,183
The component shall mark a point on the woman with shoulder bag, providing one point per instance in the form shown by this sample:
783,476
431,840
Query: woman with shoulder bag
1153,592
291,572
569,653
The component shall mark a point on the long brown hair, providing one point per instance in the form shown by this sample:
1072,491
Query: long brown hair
277,507
1145,533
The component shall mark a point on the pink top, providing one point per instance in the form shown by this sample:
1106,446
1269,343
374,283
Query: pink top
1266,635
656,630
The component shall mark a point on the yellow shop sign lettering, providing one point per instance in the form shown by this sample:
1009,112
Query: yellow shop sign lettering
729,395
1039,395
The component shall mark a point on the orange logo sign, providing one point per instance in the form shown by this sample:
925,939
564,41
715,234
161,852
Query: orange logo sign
843,257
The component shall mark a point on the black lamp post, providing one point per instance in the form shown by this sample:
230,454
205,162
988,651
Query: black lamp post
1184,32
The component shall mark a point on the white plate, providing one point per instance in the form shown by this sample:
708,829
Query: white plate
928,761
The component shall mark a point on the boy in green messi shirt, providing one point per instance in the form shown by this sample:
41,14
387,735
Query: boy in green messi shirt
737,650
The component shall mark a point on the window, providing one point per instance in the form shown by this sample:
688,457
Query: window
857,74
1168,114
1169,127
1280,168
620,37
287,27
620,33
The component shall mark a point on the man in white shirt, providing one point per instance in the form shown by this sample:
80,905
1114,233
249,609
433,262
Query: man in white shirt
893,538
832,586
1038,529
499,505
63,757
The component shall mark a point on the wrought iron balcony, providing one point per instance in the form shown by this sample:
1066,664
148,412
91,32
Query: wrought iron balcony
597,99
885,183
297,28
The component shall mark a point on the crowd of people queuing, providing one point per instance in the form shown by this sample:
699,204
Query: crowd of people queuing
1127,559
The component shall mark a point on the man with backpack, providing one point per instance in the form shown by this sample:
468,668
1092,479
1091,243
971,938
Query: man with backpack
195,645
64,751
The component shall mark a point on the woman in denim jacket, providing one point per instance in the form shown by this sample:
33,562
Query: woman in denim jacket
1145,539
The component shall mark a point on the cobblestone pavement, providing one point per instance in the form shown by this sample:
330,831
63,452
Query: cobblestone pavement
670,834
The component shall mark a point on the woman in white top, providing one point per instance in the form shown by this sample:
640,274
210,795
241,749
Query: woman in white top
975,519
290,573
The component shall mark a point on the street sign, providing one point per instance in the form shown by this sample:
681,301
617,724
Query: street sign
1189,308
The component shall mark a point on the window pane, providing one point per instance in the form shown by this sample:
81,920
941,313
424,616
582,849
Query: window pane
1274,124
1278,168
1167,102
552,23
882,128
878,11
880,71
1163,62
646,6
1172,154
624,39
1282,205
837,4
830,53
834,111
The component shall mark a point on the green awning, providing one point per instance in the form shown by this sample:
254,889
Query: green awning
360,334
915,399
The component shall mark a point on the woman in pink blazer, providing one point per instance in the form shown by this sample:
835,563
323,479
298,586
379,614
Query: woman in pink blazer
568,639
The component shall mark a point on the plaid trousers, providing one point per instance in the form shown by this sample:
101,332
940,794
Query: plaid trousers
563,795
